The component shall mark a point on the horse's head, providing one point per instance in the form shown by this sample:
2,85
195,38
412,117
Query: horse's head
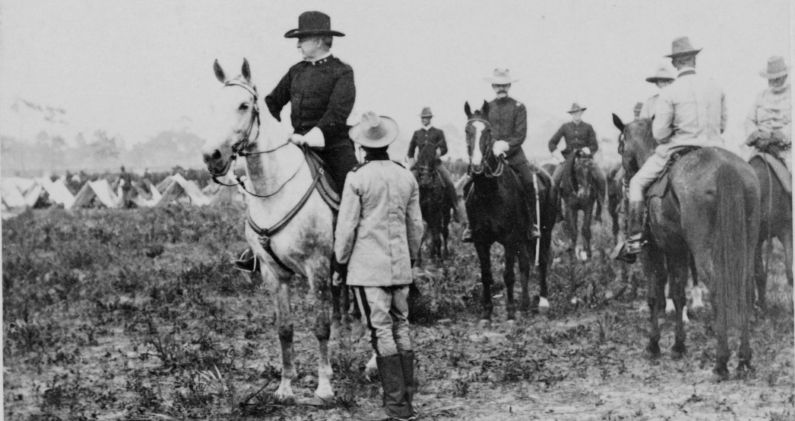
582,169
235,119
478,136
635,143
426,165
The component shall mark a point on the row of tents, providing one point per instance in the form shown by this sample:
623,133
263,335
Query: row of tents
17,194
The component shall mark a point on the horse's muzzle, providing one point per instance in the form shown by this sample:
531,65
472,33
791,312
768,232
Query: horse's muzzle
216,165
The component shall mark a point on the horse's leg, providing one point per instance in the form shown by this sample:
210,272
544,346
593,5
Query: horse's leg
678,266
785,236
319,302
585,231
484,255
524,273
446,232
284,324
572,215
509,278
654,264
760,275
543,264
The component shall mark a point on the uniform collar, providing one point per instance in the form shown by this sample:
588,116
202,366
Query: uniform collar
374,155
427,128
687,71
320,60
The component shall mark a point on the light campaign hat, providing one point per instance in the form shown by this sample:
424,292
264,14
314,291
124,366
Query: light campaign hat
681,47
501,77
374,131
663,73
313,23
575,107
426,112
776,68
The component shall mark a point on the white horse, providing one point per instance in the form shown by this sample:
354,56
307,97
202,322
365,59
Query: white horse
289,226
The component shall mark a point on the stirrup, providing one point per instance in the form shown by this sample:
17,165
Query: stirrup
629,250
466,235
535,232
247,262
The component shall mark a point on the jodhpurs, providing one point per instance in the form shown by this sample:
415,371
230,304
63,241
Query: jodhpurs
646,175
385,310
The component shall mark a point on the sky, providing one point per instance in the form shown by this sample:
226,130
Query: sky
135,68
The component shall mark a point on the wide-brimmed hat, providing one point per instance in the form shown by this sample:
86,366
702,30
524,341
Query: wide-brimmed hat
575,107
374,131
776,68
426,112
682,47
501,77
313,23
663,73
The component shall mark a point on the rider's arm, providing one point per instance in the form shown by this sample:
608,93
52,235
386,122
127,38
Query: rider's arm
279,97
414,221
553,142
591,140
442,144
347,221
412,145
662,124
751,122
516,138
334,120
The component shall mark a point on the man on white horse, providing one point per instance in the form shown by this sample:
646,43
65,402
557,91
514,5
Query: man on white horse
690,112
378,236
321,94
770,118
662,78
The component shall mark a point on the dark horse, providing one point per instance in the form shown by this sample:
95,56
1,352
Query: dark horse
435,203
497,213
615,197
580,192
711,209
775,221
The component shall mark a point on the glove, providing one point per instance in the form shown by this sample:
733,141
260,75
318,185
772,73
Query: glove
500,147
438,153
585,151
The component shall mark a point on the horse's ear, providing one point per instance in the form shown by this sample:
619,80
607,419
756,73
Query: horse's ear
485,109
618,123
467,110
219,72
246,71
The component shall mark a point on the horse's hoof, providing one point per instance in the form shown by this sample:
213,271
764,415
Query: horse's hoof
325,397
484,323
744,369
543,305
653,350
678,351
582,256
370,369
669,306
284,395
720,373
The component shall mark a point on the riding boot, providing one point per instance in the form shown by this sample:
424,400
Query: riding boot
247,262
390,369
407,362
631,248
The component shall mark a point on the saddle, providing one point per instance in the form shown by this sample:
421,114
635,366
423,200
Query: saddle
325,186
660,186
778,167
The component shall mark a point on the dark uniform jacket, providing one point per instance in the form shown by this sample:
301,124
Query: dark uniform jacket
508,118
577,136
320,94
423,137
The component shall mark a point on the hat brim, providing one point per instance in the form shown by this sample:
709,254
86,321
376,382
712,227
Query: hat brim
655,79
776,75
684,53
500,81
426,115
389,126
297,33
577,110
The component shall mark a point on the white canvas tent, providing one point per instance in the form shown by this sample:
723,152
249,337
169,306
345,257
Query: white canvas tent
146,197
56,191
176,189
99,190
12,197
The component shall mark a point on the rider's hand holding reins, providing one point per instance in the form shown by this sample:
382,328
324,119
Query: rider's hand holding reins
313,138
500,147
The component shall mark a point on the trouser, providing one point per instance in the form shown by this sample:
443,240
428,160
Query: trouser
648,172
339,159
524,171
449,188
385,311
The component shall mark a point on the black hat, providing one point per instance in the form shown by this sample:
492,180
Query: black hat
313,24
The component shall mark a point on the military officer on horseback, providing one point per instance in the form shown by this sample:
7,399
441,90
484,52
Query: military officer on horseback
321,94
689,112
429,135
508,119
769,122
580,139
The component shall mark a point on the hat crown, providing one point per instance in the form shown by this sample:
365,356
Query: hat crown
374,131
371,123
776,64
426,112
575,107
314,20
681,46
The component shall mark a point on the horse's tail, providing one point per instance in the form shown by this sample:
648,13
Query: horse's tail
732,249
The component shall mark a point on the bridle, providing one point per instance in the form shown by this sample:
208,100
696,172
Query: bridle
487,170
240,147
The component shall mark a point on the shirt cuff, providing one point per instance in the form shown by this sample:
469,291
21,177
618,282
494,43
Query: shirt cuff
314,138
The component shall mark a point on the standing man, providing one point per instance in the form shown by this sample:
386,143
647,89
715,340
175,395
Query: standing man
321,94
579,136
508,119
662,78
429,135
770,118
378,236
690,112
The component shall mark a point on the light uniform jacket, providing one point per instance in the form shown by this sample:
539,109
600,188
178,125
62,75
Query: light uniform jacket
648,107
771,111
690,111
379,227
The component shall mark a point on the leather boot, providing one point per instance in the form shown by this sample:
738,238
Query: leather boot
634,244
407,362
390,369
247,262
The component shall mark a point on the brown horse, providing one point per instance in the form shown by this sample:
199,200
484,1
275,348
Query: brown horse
580,192
435,203
497,213
711,209
775,221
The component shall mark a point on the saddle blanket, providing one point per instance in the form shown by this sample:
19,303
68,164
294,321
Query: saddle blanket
660,186
778,167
